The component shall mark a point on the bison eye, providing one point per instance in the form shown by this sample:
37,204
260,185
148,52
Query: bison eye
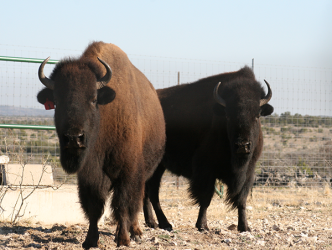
94,101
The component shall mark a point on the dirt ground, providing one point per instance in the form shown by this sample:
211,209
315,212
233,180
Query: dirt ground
296,218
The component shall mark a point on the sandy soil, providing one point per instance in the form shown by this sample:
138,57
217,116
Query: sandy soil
297,218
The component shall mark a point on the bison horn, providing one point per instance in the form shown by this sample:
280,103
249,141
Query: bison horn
106,78
217,97
268,96
47,82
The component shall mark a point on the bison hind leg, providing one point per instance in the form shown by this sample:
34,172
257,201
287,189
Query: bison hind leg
201,192
147,209
151,198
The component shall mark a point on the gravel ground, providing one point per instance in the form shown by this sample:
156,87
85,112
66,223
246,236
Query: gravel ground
296,218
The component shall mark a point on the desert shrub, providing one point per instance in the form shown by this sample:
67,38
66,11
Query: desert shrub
268,130
303,130
326,151
285,137
313,139
284,129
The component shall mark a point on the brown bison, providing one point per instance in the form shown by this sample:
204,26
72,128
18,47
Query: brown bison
213,132
111,130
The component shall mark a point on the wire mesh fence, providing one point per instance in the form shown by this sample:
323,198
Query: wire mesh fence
297,151
297,137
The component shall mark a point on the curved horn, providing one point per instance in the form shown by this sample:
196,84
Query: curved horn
268,96
106,78
46,81
217,97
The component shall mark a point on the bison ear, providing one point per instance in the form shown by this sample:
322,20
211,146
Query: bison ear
266,109
105,95
219,110
44,95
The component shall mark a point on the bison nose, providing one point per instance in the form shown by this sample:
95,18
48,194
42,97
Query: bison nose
74,140
243,147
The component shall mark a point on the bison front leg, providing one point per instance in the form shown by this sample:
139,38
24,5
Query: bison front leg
242,219
122,235
239,201
120,213
242,225
126,203
92,237
92,201
135,231
241,204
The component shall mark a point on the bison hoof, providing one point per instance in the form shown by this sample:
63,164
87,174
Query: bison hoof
244,229
151,224
137,239
167,227
136,233
123,242
87,245
203,229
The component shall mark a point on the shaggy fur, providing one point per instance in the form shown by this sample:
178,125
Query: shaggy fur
123,131
201,141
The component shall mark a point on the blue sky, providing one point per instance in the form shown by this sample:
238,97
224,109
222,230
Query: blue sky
273,32
157,35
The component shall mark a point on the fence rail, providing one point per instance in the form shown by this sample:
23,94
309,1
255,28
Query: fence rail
27,60
23,126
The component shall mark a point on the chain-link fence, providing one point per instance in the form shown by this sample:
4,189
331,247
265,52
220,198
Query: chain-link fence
297,137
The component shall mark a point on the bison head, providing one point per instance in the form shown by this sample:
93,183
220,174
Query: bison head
77,90
241,103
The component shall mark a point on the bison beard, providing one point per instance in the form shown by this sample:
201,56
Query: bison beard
111,130
213,132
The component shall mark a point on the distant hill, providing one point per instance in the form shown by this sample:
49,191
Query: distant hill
17,111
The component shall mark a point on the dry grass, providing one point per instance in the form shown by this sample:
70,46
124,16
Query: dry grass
280,218
262,199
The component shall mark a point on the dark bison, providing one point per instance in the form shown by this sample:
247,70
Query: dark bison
213,132
111,130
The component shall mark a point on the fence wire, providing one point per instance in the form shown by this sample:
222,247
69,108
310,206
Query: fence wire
297,137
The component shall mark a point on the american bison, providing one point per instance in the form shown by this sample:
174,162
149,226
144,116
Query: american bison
213,132
111,131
